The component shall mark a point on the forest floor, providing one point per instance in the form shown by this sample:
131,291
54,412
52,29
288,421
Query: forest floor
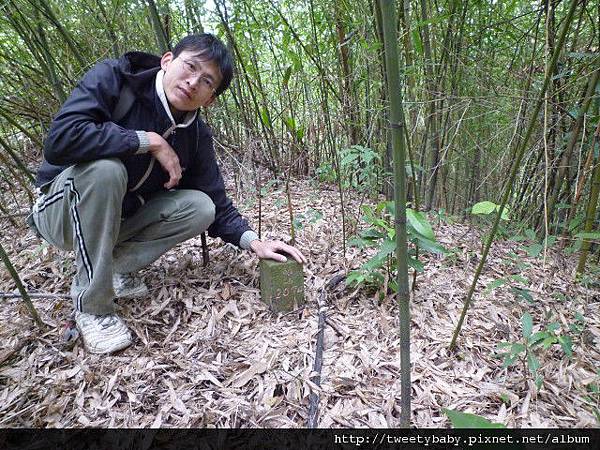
208,352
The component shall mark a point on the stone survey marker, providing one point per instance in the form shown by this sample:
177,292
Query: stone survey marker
282,284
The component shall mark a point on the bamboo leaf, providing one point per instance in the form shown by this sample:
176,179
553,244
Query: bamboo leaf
420,224
372,233
534,250
415,264
495,284
537,338
264,117
538,381
509,360
590,236
527,323
549,342
567,345
519,279
517,348
286,76
429,245
533,363
416,37
376,261
485,207
467,420
290,123
553,327
523,293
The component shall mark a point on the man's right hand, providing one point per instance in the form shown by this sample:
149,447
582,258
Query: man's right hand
166,156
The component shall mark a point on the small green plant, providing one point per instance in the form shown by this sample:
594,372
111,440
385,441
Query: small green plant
360,168
574,225
579,238
591,277
578,326
381,235
593,397
515,282
442,216
560,296
468,420
534,247
486,210
452,257
325,173
311,216
528,348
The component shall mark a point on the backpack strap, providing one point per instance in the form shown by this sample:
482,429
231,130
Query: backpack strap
126,99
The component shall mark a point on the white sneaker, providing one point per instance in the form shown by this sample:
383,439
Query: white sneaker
103,334
128,285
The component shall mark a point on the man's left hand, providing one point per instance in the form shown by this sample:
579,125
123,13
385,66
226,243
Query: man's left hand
270,249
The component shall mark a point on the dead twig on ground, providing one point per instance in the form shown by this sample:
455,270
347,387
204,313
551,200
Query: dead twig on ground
33,295
313,399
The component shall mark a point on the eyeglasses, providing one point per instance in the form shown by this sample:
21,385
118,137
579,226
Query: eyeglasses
204,81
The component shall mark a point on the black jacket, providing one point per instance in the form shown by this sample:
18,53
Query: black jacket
83,131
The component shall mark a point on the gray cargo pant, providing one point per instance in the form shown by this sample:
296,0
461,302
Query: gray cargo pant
81,210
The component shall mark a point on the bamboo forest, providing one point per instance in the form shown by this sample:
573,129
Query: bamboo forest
430,168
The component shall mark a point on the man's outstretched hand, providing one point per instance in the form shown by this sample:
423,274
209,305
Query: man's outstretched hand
269,249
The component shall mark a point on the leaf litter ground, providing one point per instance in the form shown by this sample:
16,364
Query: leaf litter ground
209,353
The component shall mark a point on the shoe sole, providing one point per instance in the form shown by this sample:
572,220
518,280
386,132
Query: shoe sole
106,352
121,346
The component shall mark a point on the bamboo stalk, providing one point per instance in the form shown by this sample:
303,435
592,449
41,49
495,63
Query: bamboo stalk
564,163
21,288
6,115
17,175
159,31
589,220
580,186
268,133
193,16
68,39
35,40
289,204
315,59
413,183
515,167
388,12
23,168
110,31
329,136
591,207
433,122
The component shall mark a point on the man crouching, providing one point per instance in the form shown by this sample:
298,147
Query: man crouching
129,172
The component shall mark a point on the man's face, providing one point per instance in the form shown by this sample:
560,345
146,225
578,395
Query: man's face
190,81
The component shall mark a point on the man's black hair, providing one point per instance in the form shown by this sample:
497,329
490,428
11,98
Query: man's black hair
210,48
